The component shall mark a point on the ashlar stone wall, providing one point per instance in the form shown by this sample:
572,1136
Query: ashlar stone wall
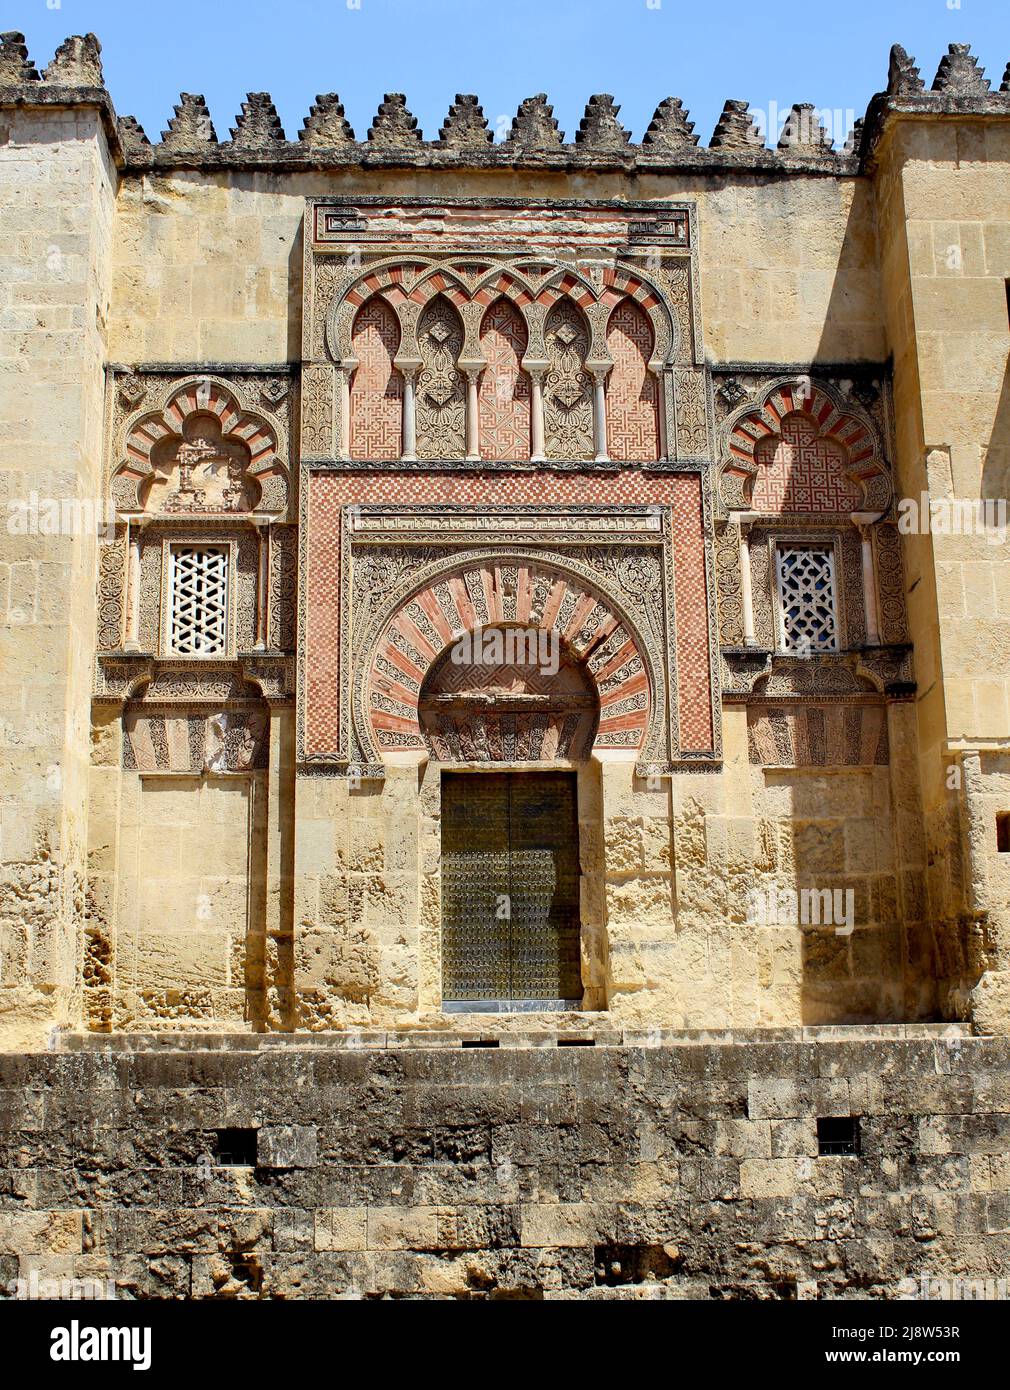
57,185
415,1167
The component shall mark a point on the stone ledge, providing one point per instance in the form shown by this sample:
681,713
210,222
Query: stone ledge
464,1039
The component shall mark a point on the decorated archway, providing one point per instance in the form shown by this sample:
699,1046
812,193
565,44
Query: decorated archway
588,657
803,450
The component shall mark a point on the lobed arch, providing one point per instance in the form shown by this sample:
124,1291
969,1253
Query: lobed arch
375,392
409,285
483,591
505,417
440,409
569,416
619,284
247,444
780,455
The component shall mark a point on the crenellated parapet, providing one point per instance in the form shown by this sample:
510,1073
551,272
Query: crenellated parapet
73,78
959,88
395,139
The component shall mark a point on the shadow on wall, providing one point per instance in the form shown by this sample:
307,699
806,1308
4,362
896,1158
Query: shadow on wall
830,941
996,459
295,268
859,961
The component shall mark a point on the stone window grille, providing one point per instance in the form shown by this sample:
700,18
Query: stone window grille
198,600
807,594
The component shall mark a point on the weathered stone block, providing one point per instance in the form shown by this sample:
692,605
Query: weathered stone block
286,1146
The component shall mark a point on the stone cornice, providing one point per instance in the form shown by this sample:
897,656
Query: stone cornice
43,95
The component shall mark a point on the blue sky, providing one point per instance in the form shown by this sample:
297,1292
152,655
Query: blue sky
834,55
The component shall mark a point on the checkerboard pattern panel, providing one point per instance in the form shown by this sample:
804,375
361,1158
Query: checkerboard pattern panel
691,591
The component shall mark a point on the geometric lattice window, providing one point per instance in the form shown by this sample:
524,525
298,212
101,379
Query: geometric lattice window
198,600
807,603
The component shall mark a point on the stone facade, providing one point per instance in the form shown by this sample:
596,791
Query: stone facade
642,1167
663,408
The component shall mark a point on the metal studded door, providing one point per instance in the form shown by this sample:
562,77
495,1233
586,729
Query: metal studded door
510,890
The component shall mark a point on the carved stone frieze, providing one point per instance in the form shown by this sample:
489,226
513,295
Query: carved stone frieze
816,735
727,569
111,590
283,597
232,739
760,674
142,679
890,583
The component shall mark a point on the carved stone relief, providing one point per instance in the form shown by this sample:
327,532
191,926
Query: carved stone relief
441,389
799,446
170,739
518,698
200,445
283,587
633,259
111,591
568,387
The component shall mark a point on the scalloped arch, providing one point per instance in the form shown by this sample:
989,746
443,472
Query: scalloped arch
416,281
202,395
797,412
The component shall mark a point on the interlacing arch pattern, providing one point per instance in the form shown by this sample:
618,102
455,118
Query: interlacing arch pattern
376,392
476,596
441,390
633,394
803,450
537,290
504,398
